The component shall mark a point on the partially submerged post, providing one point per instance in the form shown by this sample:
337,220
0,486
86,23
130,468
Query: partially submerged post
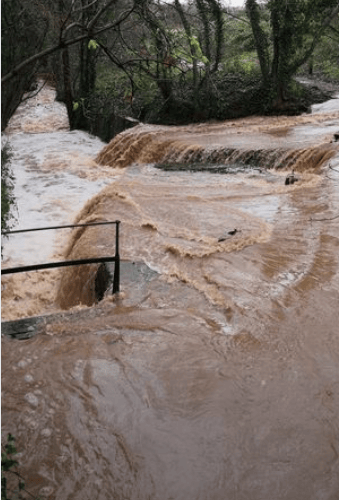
291,179
116,279
101,279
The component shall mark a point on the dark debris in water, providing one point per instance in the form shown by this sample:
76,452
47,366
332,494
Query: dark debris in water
230,233
291,179
213,168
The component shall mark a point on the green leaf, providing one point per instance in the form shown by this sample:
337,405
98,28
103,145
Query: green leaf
10,449
92,45
198,52
75,106
8,464
3,488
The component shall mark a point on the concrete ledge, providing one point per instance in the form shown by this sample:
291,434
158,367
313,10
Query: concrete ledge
21,329
135,276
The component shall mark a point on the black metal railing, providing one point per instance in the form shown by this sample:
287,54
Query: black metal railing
76,262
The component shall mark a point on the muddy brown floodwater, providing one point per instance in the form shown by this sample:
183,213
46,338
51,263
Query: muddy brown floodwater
215,374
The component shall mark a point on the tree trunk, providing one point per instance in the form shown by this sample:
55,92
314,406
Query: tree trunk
188,32
87,70
260,38
67,84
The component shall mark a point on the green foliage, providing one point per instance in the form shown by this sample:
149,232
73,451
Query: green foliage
7,187
116,85
8,462
111,81
172,61
180,45
326,54
92,45
297,90
288,41
197,49
246,63
329,69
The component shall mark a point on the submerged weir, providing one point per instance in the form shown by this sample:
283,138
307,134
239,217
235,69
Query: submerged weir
175,220
270,143
215,373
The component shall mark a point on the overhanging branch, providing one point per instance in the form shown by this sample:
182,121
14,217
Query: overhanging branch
66,43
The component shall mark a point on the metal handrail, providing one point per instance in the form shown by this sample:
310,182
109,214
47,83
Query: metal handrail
76,262
60,227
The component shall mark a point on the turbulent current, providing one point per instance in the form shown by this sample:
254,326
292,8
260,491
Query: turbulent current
215,372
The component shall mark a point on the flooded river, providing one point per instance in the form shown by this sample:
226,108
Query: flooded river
215,373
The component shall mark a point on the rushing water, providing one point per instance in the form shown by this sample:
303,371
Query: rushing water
216,375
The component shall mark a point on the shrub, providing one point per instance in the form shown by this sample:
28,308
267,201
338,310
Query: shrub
17,489
7,187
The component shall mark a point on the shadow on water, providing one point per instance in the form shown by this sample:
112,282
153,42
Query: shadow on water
207,167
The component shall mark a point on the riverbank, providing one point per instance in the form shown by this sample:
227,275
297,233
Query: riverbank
242,96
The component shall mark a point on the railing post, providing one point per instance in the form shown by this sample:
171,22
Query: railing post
116,278
77,262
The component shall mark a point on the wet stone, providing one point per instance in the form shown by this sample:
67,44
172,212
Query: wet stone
46,491
32,399
20,329
24,362
46,433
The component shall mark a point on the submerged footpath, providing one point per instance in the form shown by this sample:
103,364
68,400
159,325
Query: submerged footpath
142,401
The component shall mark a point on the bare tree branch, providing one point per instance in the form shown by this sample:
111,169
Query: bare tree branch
320,220
334,29
66,43
100,12
236,17
85,7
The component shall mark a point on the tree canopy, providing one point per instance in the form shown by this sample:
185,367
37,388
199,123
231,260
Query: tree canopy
286,34
149,57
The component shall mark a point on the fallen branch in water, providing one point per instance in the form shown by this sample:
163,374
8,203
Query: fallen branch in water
319,220
335,170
